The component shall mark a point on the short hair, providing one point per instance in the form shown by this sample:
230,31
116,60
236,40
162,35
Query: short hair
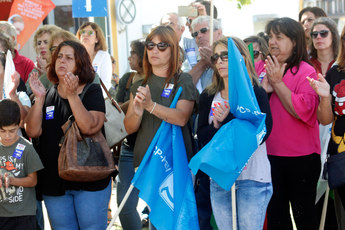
317,11
5,42
168,35
3,59
10,30
101,44
201,19
264,36
295,32
139,47
45,29
341,53
262,44
180,22
64,35
217,81
9,113
332,26
84,68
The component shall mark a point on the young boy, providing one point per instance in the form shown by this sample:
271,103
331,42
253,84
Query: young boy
19,163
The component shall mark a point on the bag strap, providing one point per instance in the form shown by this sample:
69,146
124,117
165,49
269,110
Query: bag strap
129,81
113,102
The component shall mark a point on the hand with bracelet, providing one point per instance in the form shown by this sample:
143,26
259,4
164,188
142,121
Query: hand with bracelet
143,99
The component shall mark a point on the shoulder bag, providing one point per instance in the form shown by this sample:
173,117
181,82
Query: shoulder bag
114,127
83,158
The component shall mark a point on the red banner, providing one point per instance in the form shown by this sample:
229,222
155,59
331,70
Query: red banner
27,15
5,8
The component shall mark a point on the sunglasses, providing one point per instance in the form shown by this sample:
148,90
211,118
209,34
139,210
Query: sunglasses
202,30
88,32
52,48
323,34
256,53
162,46
223,56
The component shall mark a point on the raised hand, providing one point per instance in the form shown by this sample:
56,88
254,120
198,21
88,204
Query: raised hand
71,84
220,112
15,80
320,86
41,65
274,71
36,85
206,53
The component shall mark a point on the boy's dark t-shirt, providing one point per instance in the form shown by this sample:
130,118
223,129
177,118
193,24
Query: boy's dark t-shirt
18,160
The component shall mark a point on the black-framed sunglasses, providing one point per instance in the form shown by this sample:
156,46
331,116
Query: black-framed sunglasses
223,56
162,46
256,53
323,34
202,30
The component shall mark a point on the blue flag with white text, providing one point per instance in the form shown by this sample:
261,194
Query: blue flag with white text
225,156
165,182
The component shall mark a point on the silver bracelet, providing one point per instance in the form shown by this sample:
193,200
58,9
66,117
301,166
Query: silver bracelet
153,108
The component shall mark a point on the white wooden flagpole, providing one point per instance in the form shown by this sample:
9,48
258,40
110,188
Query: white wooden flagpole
123,202
233,205
211,23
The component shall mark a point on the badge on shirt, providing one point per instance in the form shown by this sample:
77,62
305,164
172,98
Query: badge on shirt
213,107
18,152
262,75
95,67
50,112
167,90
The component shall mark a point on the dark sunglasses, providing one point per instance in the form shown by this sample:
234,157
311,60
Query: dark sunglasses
256,53
162,46
323,34
202,30
223,56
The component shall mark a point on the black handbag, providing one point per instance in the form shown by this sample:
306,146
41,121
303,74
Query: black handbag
335,169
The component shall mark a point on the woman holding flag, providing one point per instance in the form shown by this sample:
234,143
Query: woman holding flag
294,145
253,187
150,98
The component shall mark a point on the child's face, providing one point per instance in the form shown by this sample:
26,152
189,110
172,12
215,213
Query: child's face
9,134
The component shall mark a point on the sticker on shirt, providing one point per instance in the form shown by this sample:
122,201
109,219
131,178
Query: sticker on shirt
18,152
213,107
95,67
167,90
262,75
339,94
50,112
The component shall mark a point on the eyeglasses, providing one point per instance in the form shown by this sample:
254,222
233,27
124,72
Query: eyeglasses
52,48
162,46
223,56
88,32
202,30
323,34
256,53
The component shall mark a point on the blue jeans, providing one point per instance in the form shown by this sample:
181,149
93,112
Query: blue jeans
129,216
252,198
79,209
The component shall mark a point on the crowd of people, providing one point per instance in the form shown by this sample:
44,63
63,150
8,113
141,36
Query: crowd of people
296,69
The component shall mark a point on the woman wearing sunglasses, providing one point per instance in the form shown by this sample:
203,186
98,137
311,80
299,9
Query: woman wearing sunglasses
260,51
92,37
294,145
151,97
331,108
324,48
253,187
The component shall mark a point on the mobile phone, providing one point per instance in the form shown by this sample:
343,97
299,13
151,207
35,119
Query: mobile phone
186,11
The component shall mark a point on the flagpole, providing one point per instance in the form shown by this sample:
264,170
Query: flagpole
211,23
233,205
123,202
324,209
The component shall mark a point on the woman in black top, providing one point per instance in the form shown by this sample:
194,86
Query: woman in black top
70,205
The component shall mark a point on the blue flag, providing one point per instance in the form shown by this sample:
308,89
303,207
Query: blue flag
165,182
225,156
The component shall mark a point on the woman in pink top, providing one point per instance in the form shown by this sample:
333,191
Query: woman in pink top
294,145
